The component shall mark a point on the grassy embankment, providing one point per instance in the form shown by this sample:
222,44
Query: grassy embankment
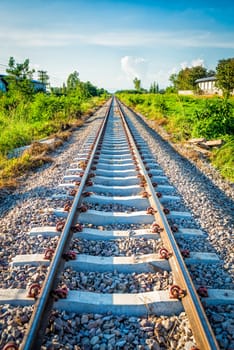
185,117
24,123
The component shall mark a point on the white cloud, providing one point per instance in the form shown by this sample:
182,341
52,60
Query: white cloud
183,64
140,38
134,67
198,62
163,75
37,38
144,38
194,63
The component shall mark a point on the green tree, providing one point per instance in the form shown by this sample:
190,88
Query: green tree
225,76
154,88
197,72
185,79
19,78
173,79
91,89
137,84
210,73
73,81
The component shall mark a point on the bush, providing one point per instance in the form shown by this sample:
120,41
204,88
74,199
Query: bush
214,119
191,116
223,159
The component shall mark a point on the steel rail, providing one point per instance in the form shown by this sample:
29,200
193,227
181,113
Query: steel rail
34,335
200,325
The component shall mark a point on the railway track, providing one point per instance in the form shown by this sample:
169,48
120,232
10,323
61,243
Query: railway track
112,251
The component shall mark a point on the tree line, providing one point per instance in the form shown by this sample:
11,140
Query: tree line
28,113
186,78
19,81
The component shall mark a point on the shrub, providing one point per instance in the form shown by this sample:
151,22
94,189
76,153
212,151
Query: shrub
223,159
214,119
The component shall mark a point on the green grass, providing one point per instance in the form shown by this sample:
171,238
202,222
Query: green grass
25,123
42,117
223,159
185,117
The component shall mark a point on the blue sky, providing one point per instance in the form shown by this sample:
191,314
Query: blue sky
111,42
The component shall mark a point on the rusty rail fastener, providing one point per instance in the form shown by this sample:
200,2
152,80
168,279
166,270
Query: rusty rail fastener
175,292
164,253
202,292
48,254
34,290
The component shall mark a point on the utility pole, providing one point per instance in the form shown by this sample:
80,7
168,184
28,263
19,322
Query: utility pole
43,77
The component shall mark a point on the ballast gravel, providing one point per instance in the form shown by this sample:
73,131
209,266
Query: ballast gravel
107,332
119,247
108,282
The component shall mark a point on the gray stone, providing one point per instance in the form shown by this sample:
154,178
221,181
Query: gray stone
94,340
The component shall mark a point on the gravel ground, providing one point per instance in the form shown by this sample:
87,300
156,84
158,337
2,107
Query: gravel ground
118,247
108,282
107,332
13,323
110,207
221,318
22,276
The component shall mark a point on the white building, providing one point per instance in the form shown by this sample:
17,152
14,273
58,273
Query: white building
207,86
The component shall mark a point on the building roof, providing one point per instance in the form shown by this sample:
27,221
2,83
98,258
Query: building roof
205,79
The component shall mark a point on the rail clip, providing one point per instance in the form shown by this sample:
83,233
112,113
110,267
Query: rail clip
185,253
69,256
83,208
34,290
175,292
151,210
48,254
67,207
164,253
73,192
174,228
77,228
203,292
155,228
10,346
86,194
60,225
145,194
60,293
166,211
